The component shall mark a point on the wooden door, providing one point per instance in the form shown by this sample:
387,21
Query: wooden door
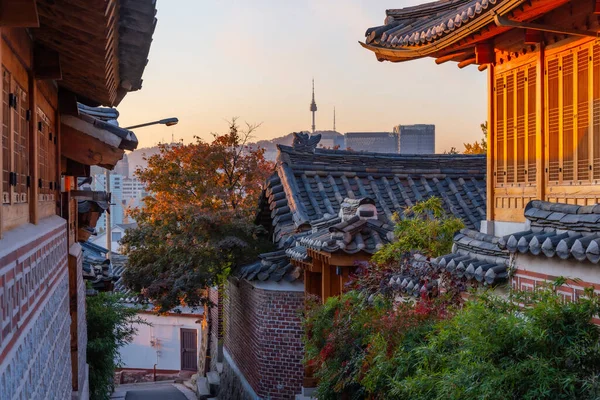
189,349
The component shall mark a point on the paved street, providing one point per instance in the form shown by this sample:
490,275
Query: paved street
156,391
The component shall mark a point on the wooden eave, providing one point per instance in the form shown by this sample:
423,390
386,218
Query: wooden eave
85,35
89,145
480,30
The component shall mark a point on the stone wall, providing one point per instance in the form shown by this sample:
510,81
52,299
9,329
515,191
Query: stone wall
34,301
78,320
215,318
263,337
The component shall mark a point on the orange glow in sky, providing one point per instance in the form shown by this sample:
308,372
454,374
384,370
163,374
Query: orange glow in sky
211,60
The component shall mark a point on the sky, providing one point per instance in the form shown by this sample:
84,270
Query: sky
254,59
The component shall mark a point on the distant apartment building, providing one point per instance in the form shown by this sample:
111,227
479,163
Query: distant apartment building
117,211
374,142
415,139
133,192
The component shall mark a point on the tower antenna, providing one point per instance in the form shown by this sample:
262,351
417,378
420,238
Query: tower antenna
334,119
313,106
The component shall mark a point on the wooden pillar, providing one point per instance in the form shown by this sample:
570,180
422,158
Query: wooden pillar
540,138
34,136
491,144
325,282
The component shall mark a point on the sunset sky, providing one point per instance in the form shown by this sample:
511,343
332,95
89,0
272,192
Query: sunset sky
211,60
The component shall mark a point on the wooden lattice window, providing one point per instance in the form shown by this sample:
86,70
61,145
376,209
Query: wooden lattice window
15,138
516,128
574,115
47,150
583,116
567,117
553,120
499,172
6,153
520,128
531,124
20,147
510,128
596,110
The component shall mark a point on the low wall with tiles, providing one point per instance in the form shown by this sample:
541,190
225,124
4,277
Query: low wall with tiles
263,337
35,354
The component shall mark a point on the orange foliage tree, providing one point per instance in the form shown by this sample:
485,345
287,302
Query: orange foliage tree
478,147
197,223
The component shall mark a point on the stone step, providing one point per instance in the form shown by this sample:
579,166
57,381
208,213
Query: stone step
220,368
214,381
203,388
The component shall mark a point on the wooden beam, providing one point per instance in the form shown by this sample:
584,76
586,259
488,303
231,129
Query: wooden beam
467,62
491,144
505,22
325,282
46,63
19,14
450,57
484,53
540,137
482,68
533,37
597,7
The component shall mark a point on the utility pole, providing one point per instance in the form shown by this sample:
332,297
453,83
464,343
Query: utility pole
107,217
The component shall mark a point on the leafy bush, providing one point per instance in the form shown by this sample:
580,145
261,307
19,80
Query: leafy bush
110,325
526,346
424,227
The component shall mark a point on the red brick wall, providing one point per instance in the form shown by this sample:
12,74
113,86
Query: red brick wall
263,335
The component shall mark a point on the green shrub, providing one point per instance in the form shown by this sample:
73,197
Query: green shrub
110,325
424,227
527,346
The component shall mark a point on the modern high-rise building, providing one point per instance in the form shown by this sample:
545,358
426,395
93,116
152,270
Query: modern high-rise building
133,192
117,211
122,167
415,139
374,142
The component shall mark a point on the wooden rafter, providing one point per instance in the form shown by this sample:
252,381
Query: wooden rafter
505,22
19,14
452,57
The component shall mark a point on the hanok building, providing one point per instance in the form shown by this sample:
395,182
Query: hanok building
326,210
60,60
543,63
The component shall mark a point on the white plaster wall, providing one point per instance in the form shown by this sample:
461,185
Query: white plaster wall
571,268
165,330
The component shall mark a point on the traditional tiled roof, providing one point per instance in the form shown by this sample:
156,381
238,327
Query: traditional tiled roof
302,200
476,256
105,118
311,185
434,29
273,266
97,268
558,230
425,23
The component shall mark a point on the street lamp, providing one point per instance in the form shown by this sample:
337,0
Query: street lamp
166,121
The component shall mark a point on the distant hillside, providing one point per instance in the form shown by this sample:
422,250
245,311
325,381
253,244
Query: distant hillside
329,139
136,158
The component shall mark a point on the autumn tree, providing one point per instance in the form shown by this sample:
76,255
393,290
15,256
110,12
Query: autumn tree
196,224
478,147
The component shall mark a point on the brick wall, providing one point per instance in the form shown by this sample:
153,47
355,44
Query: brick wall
34,302
263,336
78,321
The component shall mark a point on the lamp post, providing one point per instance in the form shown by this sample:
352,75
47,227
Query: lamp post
167,122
